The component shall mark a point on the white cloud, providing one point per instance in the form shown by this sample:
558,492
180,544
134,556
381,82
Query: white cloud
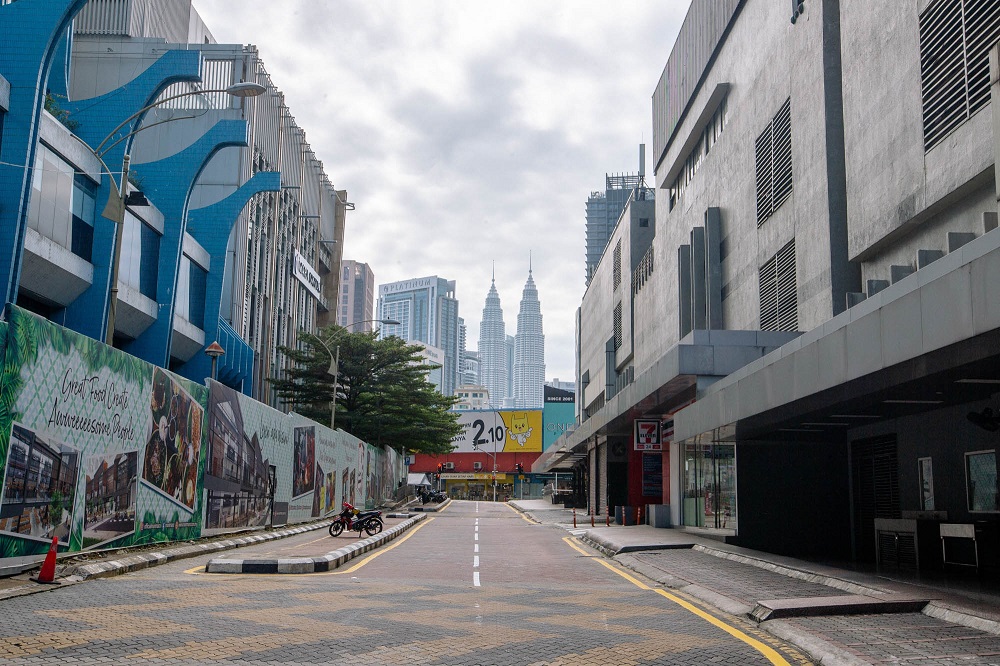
468,132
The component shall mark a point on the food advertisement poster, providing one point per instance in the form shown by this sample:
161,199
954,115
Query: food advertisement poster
91,453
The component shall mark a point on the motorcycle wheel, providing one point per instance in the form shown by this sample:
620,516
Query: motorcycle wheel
336,527
373,526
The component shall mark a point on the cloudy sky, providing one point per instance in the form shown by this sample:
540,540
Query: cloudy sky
468,133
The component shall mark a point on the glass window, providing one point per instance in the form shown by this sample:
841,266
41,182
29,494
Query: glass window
198,284
926,473
84,203
981,481
140,258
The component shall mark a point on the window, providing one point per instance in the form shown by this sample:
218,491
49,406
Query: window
981,481
778,292
140,258
84,195
709,136
773,153
955,39
925,472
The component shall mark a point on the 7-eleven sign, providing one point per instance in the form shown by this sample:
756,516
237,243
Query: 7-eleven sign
647,435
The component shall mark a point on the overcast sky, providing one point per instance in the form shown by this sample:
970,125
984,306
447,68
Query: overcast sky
468,133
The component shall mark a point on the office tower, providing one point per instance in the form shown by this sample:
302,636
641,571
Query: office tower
493,348
529,350
427,312
604,209
356,301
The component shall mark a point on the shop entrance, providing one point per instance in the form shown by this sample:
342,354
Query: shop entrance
710,486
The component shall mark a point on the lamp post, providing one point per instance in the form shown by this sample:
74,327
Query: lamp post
115,209
334,369
214,351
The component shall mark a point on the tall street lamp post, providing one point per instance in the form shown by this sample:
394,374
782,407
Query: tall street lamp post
334,369
115,209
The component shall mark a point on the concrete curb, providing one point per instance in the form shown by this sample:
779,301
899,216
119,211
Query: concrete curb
436,507
300,565
145,560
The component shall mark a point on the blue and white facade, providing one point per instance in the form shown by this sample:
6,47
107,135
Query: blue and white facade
230,198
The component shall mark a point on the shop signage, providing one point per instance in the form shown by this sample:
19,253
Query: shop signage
647,435
474,476
307,276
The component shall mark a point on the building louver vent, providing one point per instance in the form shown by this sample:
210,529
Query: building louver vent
618,326
773,153
955,39
778,292
617,272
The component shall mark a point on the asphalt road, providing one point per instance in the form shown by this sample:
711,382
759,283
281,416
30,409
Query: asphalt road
474,584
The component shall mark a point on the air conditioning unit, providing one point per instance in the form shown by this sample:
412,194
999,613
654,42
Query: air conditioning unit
449,465
477,466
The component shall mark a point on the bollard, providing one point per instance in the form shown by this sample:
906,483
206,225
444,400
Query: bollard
591,518
607,517
638,515
574,517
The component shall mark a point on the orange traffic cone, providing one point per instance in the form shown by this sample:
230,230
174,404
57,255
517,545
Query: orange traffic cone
48,572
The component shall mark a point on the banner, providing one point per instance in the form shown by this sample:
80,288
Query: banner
513,431
97,447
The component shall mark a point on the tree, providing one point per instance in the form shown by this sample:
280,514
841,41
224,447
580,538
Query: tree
383,396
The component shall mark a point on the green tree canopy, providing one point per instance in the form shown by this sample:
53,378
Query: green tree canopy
383,396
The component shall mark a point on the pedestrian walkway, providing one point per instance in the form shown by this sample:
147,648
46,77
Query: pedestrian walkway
836,614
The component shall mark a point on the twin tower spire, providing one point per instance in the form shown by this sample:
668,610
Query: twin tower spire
513,368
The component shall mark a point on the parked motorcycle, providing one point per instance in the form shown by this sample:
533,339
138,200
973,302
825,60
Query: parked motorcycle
434,496
351,518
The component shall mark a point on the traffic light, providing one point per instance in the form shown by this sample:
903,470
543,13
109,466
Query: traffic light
520,468
440,467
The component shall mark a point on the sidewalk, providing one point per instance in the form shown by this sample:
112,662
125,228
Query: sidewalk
838,615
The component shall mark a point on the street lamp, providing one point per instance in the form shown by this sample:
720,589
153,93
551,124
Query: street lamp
115,209
334,369
214,351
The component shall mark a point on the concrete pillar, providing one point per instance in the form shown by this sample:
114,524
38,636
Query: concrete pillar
995,98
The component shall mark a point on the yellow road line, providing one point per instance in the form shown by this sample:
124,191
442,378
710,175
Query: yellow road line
769,652
396,543
523,516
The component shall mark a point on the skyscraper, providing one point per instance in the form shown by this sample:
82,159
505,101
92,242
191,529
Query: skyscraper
604,209
427,312
493,348
529,350
356,300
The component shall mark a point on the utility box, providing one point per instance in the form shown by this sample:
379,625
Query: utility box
658,515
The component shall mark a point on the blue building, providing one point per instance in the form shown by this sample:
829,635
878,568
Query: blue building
215,245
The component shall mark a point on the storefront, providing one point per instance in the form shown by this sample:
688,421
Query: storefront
478,485
709,485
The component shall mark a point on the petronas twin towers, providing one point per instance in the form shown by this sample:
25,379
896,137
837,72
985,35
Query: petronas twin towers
513,382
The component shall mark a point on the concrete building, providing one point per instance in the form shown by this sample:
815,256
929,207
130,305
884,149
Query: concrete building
493,369
356,302
427,312
603,210
529,350
211,248
814,319
472,396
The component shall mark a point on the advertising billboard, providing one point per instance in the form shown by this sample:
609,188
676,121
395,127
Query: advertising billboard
502,431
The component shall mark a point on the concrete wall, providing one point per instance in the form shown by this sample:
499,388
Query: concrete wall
787,63
908,202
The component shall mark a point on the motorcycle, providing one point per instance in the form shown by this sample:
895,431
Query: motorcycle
435,496
351,518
